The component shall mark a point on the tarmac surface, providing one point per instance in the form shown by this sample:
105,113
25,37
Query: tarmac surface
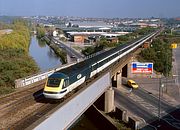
170,91
144,101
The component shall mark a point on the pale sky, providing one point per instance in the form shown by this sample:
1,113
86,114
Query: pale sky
92,8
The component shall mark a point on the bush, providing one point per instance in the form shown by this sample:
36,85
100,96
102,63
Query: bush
15,62
160,54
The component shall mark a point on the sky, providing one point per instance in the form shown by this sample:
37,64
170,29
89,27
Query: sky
92,8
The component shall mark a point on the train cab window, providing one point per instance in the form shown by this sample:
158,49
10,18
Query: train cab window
65,84
53,82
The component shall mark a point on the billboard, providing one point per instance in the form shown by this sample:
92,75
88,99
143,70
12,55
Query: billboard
137,68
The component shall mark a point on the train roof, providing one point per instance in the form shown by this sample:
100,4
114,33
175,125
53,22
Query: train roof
73,70
58,75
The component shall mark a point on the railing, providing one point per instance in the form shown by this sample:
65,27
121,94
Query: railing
38,77
95,54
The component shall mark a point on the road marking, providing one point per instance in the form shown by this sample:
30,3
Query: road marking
154,110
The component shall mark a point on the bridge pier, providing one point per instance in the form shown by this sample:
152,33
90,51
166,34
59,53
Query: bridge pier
109,100
117,79
129,75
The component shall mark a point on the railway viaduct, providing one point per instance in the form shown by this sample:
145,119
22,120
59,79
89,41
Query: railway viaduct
69,111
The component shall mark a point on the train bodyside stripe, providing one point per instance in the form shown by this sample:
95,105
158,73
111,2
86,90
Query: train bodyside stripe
63,91
54,89
76,84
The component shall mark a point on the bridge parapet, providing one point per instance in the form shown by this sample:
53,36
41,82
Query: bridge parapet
39,77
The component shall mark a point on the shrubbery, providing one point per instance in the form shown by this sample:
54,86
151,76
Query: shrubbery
40,32
15,62
160,54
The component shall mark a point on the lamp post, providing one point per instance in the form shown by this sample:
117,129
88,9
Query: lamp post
161,85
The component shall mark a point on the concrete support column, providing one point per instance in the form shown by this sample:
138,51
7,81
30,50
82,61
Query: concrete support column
115,77
109,100
119,79
114,81
129,75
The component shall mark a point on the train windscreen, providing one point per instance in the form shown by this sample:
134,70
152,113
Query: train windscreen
53,82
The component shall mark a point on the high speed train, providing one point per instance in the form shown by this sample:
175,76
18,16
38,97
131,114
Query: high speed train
62,82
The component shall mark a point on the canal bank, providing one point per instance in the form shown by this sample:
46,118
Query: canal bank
56,48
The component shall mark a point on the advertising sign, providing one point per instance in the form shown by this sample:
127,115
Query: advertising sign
146,68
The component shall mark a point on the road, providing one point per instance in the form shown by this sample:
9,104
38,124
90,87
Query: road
144,105
176,54
69,50
124,101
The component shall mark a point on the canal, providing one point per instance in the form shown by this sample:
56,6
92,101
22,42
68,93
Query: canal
43,54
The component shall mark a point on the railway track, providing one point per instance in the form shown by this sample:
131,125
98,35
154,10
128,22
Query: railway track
20,94
13,107
20,109
34,116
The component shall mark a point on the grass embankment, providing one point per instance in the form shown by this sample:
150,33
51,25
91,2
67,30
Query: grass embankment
59,52
14,59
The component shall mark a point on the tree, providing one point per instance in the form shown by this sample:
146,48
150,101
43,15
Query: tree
144,31
123,38
88,51
103,43
40,32
15,62
160,54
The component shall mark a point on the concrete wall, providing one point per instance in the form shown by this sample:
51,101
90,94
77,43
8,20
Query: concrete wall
135,123
100,119
106,122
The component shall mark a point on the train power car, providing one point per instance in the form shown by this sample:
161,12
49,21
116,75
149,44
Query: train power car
62,82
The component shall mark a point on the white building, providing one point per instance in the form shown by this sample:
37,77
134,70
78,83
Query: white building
55,33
